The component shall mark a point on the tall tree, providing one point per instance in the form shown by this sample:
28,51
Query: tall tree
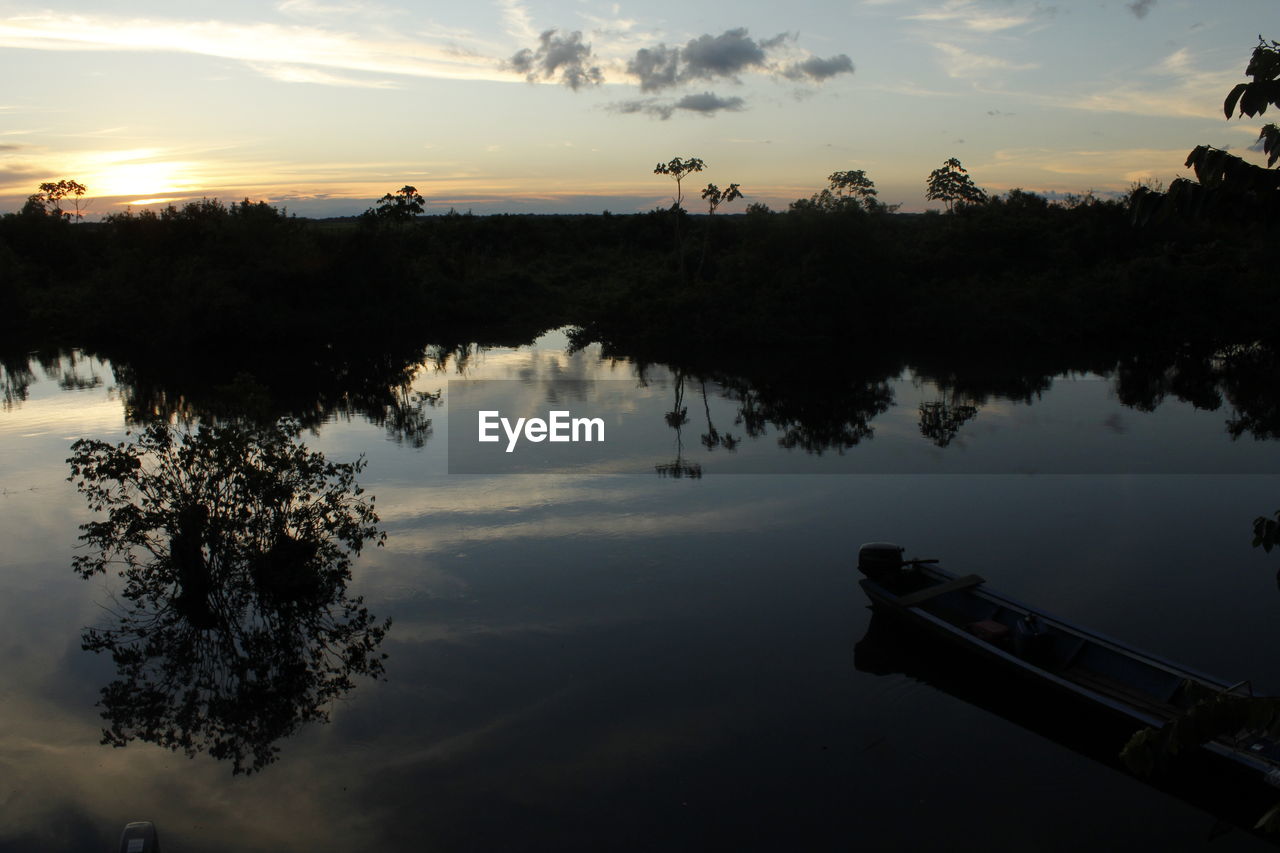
49,199
679,170
950,183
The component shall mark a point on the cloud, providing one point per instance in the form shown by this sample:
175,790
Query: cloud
566,56
516,20
269,46
705,103
319,8
708,57
818,69
305,74
654,107
656,67
724,57
1140,8
708,103
959,62
971,16
1177,63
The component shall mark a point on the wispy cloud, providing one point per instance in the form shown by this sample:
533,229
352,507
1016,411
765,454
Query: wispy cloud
1192,92
1072,170
308,74
973,16
516,20
270,46
959,62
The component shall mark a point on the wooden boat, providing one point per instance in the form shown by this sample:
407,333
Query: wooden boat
1027,642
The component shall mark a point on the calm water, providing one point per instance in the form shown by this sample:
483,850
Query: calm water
592,660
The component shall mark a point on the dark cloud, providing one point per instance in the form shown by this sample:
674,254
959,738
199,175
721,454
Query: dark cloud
9,146
706,103
818,69
563,56
656,67
724,57
708,57
648,106
1140,8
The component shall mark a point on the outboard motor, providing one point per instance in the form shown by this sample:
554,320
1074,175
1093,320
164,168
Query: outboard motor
878,559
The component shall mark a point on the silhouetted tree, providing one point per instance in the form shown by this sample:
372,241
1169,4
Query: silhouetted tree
235,546
950,183
53,193
715,197
679,169
48,201
850,190
400,206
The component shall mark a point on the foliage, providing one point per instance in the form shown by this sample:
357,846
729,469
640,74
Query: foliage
48,202
848,191
235,546
852,184
1213,716
950,183
1254,97
400,206
714,196
679,169
1266,532
1227,185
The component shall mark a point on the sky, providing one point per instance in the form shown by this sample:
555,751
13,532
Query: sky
565,106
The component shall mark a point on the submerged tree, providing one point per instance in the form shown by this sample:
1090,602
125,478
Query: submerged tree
950,183
235,545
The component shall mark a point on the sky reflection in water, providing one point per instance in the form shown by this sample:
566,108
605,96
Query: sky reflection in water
638,662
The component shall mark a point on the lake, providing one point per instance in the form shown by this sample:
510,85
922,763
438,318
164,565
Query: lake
649,642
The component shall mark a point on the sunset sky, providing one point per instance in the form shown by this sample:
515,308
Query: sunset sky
566,105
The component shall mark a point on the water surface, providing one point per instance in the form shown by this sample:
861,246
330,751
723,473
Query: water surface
592,659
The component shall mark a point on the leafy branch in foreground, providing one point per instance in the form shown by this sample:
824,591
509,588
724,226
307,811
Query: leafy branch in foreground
235,545
1215,716
1223,180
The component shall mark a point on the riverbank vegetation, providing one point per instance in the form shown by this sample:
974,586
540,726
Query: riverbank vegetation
1017,270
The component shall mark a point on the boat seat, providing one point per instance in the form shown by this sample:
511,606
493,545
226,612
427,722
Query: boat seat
941,589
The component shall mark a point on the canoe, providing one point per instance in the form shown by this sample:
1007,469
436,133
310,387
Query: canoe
1030,644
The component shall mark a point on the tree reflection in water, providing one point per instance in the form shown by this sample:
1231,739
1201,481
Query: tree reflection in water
676,419
235,545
